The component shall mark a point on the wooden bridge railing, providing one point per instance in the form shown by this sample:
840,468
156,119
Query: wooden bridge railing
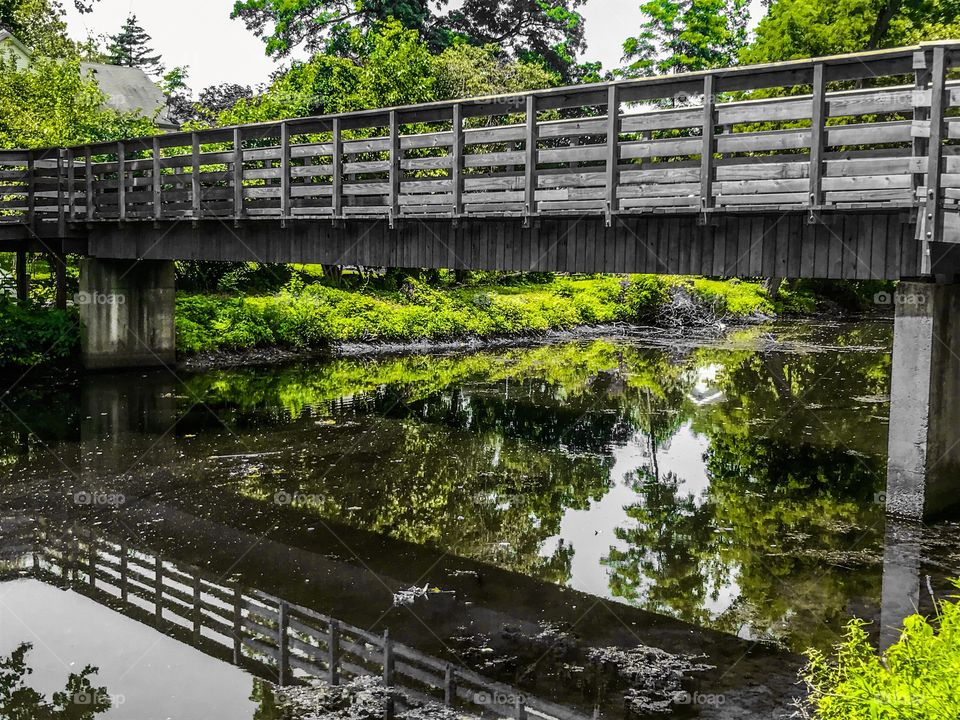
800,135
285,640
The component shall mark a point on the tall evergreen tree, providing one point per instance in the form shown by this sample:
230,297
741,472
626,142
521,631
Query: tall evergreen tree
131,47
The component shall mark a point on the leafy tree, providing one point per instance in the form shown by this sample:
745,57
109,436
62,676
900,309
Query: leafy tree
464,70
685,35
807,28
131,47
180,107
548,29
39,24
51,104
79,700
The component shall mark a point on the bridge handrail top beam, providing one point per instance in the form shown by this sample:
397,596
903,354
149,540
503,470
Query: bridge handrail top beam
562,97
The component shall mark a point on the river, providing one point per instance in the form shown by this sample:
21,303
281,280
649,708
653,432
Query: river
718,497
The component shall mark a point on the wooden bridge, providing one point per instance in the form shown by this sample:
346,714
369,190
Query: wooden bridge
837,167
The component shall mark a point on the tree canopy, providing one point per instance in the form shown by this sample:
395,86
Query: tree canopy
686,35
551,30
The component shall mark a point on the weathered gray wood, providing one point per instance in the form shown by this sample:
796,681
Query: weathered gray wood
934,215
613,151
395,153
708,144
285,176
456,161
817,136
529,157
195,176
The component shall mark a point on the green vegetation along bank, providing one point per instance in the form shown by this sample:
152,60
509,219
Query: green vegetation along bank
300,310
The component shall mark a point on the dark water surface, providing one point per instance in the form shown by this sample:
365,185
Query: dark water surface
716,497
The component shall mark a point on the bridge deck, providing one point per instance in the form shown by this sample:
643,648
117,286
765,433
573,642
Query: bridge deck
699,158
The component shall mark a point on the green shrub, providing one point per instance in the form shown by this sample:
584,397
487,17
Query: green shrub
31,334
918,678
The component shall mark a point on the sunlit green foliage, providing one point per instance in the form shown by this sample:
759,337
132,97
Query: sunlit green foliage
915,679
52,104
316,316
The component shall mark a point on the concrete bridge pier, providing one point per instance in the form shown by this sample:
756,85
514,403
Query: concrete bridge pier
126,310
923,468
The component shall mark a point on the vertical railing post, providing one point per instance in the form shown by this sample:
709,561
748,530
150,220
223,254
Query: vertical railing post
123,571
336,201
197,610
31,188
531,157
707,163
333,655
88,178
92,560
394,167
818,131
613,151
61,197
921,112
934,214
449,686
283,646
388,663
237,626
284,173
456,161
71,185
156,184
195,176
158,589
121,181
237,174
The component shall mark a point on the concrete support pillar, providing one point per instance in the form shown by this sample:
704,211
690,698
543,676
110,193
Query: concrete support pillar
923,469
900,596
126,309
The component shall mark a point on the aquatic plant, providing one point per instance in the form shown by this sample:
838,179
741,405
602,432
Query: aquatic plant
916,679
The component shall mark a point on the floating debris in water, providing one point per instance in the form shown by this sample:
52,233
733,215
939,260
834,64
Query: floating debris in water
655,677
412,594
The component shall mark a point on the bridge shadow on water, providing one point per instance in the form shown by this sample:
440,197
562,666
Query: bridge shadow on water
718,500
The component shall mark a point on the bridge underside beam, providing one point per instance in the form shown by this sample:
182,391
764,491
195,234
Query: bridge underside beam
923,471
127,313
843,245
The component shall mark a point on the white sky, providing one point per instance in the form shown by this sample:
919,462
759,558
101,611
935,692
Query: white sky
219,49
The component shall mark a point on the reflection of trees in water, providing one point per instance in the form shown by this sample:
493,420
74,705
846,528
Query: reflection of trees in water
79,700
792,471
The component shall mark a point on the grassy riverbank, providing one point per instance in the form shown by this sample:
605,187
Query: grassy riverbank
298,309
316,315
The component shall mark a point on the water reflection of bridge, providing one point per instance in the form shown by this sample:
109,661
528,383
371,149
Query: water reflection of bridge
272,637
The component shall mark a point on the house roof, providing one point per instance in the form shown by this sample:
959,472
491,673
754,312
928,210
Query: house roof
5,34
129,89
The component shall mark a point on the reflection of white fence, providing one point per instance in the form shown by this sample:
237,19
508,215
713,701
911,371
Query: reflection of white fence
290,640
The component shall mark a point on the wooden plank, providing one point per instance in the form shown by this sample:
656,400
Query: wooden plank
456,160
284,172
530,156
121,181
709,144
395,154
195,188
817,134
934,214
156,185
238,209
613,151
